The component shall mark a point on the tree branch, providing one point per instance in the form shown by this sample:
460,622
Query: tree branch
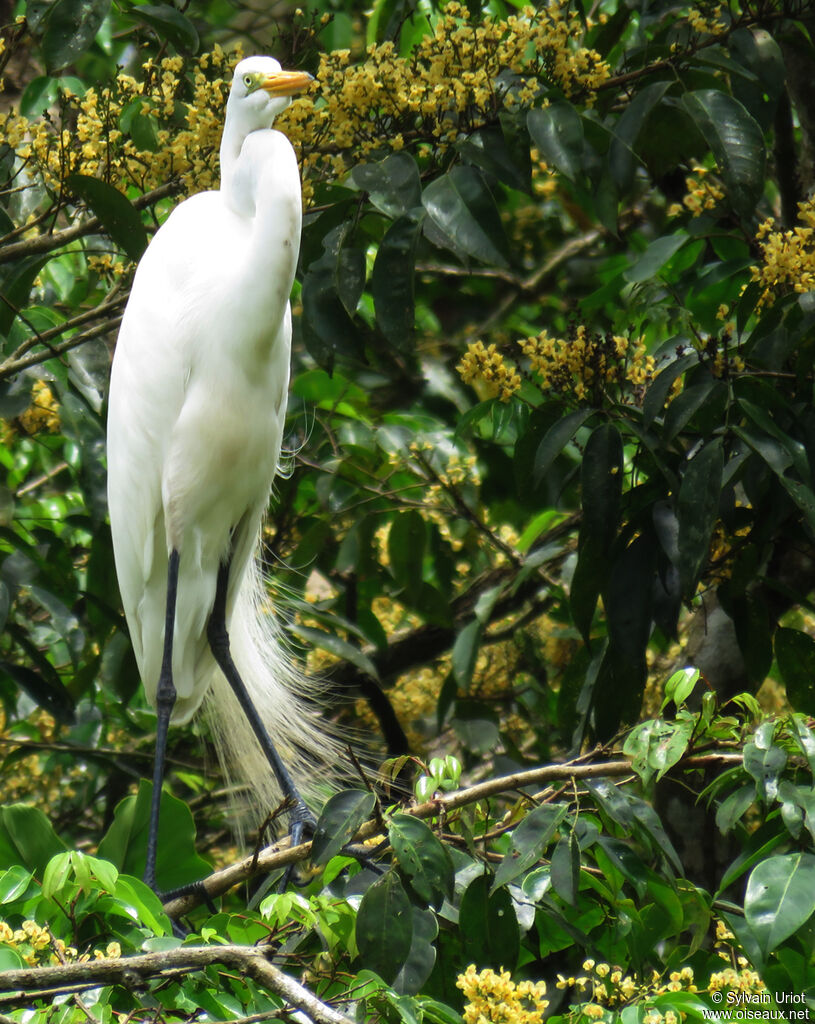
282,854
135,971
56,239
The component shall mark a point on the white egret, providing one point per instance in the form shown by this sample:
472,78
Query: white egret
198,397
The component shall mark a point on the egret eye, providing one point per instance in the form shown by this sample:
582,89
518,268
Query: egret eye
247,80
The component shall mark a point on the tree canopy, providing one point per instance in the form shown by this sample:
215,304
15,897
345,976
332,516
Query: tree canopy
547,528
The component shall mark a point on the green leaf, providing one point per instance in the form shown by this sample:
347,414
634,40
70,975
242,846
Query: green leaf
169,23
529,840
393,184
488,925
10,960
384,927
27,838
697,512
680,686
733,807
119,217
406,546
421,959
461,206
339,822
14,882
622,155
326,294
70,29
736,141
657,393
490,149
555,440
337,646
422,857
15,288
392,281
601,481
780,897
125,842
565,871
765,766
557,131
795,652
465,652
655,257
688,403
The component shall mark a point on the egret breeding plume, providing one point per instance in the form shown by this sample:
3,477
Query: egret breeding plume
198,397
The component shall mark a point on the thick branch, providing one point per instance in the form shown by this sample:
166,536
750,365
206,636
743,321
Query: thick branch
135,971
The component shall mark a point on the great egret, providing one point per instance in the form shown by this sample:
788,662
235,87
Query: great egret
198,396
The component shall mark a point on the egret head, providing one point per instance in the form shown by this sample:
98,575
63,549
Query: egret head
261,90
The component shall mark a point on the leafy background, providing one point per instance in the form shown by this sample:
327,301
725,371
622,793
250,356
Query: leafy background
550,502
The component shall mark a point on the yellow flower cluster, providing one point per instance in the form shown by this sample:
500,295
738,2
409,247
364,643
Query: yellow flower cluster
608,987
38,947
787,257
166,125
580,366
131,132
494,998
42,416
487,364
712,25
703,193
447,87
584,364
26,779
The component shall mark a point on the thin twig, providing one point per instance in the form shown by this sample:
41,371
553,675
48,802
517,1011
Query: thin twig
55,240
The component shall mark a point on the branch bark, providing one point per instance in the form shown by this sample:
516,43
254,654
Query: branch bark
56,239
136,971
282,854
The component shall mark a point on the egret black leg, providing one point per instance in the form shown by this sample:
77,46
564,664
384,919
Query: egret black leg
300,816
165,701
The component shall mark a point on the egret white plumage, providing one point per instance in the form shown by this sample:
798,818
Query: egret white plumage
197,403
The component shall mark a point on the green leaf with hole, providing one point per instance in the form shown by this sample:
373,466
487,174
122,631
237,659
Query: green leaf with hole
339,822
71,26
529,841
422,858
488,925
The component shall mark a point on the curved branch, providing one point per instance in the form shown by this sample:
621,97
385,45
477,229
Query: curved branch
133,971
282,854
